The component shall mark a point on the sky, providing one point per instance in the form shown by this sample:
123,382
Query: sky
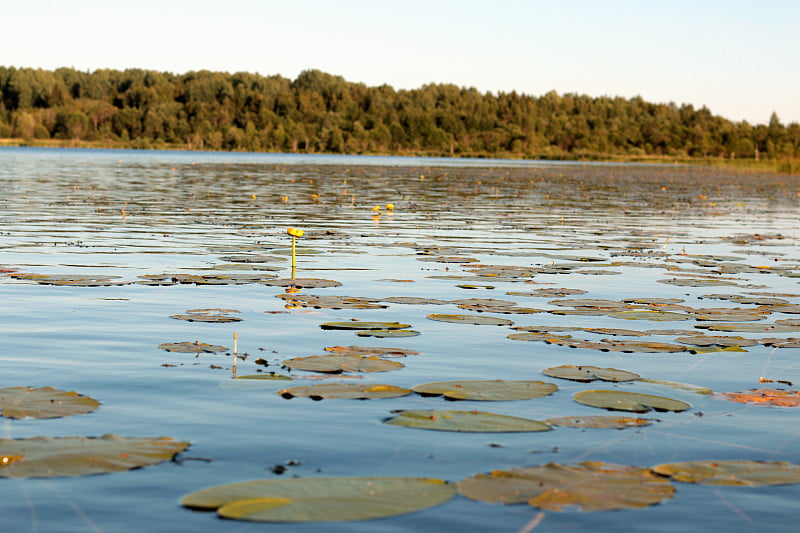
740,59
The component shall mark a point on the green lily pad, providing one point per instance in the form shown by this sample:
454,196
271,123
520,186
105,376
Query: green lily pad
45,402
356,391
191,347
357,324
494,390
587,373
331,302
681,282
628,401
549,292
271,376
321,499
680,386
82,456
336,364
599,422
616,332
739,473
465,421
589,486
387,333
504,309
471,319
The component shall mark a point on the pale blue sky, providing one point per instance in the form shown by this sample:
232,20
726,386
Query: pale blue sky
741,59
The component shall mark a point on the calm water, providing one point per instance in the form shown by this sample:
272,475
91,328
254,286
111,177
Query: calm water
615,231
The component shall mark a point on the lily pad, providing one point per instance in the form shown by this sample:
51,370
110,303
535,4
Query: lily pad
776,397
45,402
387,333
357,324
191,347
337,364
493,390
321,499
413,300
465,421
371,350
332,302
82,456
590,486
599,422
666,316
206,318
588,373
629,401
739,473
358,391
471,319
302,283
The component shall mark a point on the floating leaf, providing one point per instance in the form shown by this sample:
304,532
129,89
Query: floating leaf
750,328
331,302
359,391
649,315
357,324
590,303
471,319
588,373
716,340
342,363
739,473
82,456
599,422
590,486
206,318
489,302
413,300
302,283
371,350
466,421
386,333
494,390
272,376
615,331
505,309
321,499
533,336
191,347
45,402
628,401
777,397
697,282
681,386
549,292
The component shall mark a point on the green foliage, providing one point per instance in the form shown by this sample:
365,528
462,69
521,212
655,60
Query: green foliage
320,112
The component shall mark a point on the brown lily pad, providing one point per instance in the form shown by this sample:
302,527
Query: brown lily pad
371,350
191,347
776,397
589,486
599,422
737,473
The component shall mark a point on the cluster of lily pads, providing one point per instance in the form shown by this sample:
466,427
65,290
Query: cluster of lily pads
40,457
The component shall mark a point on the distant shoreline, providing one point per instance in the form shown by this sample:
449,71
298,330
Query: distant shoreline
786,166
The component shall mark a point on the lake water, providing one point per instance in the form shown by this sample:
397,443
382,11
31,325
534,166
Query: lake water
111,234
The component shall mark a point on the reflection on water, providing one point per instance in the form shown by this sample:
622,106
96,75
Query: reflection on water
100,248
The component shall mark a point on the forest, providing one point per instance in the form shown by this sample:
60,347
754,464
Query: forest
323,113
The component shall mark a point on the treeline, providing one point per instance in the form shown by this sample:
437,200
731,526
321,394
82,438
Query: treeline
320,112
